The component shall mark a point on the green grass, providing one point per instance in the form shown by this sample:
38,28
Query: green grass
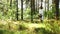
24,27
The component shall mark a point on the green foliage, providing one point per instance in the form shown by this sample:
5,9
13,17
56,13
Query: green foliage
27,13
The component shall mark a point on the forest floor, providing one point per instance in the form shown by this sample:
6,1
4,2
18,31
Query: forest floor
26,27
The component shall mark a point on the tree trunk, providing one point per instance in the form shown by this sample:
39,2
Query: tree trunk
57,9
17,9
21,9
48,8
34,6
32,9
10,3
45,5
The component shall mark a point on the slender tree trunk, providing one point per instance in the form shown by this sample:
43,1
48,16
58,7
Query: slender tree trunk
45,9
10,3
57,9
32,9
45,5
31,12
38,5
48,8
17,9
21,9
34,6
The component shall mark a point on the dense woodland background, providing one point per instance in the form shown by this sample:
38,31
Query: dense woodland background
21,17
